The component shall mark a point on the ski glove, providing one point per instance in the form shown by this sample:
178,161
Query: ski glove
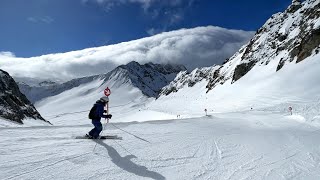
109,116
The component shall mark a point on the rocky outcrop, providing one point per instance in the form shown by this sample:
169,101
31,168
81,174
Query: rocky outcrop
308,43
242,69
14,105
185,79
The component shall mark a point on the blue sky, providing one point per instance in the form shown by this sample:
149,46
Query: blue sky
37,27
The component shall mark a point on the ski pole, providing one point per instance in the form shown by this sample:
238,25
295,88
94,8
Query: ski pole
106,119
107,111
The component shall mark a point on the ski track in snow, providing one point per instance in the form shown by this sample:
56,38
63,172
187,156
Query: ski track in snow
225,146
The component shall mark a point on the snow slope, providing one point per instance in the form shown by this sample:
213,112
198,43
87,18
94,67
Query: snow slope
278,68
131,86
261,88
244,145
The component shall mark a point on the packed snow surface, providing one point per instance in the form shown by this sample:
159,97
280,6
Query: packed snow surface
243,145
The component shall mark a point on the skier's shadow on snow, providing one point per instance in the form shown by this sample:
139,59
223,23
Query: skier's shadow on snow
126,164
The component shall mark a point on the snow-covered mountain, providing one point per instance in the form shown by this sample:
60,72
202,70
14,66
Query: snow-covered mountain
131,85
190,79
149,78
14,105
287,37
270,73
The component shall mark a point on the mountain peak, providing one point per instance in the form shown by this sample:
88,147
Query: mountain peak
150,77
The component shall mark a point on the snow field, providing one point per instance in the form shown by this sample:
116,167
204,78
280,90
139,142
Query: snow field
247,145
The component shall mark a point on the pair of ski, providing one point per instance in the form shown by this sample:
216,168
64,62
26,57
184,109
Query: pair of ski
101,137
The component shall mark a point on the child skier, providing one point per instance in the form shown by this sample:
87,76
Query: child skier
96,113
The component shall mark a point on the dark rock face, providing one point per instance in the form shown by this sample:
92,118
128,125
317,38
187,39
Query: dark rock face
13,104
309,40
296,4
169,91
307,45
281,64
214,79
242,70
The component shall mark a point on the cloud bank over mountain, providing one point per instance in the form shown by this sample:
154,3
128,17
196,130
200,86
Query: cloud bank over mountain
197,47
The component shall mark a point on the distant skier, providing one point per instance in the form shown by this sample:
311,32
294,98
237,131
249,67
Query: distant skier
96,113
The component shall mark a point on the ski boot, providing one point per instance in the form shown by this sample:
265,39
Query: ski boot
89,136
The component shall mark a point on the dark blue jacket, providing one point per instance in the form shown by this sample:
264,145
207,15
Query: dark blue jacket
100,110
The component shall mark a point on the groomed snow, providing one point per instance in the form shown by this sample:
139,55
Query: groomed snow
28,122
243,145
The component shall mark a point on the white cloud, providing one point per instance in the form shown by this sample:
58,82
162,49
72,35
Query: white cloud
151,31
198,47
44,19
6,54
47,19
144,3
154,31
176,18
32,19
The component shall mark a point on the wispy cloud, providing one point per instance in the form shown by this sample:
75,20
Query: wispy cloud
107,5
198,47
171,11
175,17
154,31
45,19
6,54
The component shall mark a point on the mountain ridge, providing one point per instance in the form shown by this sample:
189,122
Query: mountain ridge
290,36
14,105
149,78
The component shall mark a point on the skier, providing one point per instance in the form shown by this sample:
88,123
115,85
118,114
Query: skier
96,113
